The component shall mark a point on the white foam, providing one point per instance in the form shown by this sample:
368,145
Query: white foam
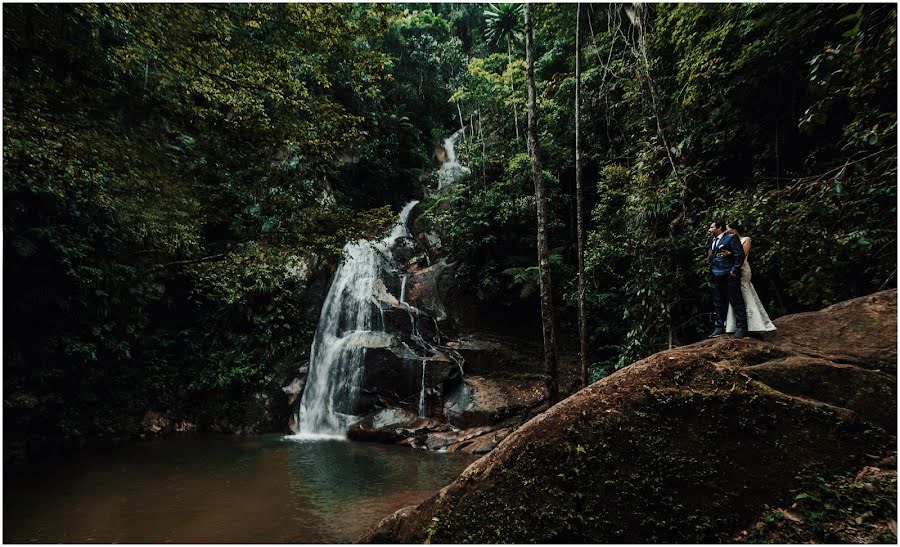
313,437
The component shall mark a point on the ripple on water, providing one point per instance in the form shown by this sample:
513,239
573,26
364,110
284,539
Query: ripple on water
313,437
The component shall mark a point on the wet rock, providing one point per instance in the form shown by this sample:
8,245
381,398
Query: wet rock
387,291
432,244
388,527
154,422
430,288
294,389
184,426
483,401
417,263
427,239
478,440
689,445
405,249
392,376
395,319
410,325
480,444
390,425
388,379
315,277
287,402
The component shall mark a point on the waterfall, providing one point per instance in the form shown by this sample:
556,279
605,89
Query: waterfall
451,170
348,325
449,147
422,393
336,357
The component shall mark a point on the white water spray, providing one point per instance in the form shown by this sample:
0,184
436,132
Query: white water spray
451,169
422,393
345,324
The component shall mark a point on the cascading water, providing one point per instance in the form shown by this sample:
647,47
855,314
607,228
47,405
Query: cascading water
336,359
422,393
347,326
451,169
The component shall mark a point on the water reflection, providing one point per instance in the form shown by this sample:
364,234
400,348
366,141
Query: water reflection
221,489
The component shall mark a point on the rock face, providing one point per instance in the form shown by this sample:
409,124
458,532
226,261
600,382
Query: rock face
388,425
485,401
688,445
469,398
410,357
154,423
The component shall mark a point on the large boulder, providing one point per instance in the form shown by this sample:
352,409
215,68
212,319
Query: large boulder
688,445
475,440
854,332
395,376
389,425
427,238
482,401
430,288
412,326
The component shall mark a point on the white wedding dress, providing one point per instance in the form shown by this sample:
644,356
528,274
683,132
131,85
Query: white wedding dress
757,318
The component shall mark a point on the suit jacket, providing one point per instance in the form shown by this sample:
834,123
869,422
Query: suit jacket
731,263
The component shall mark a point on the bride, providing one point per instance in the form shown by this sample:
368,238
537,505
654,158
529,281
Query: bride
757,318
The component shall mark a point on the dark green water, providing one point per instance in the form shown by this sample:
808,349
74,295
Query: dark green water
221,489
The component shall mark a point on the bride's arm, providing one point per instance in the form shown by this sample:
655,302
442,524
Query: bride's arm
746,248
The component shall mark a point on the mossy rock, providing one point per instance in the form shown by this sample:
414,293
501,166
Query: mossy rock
688,445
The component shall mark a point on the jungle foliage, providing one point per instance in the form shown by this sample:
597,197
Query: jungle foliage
178,178
175,175
782,116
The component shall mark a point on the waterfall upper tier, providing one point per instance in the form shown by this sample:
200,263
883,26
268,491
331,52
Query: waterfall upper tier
451,170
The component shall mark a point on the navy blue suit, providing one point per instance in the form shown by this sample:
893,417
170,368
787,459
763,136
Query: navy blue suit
725,287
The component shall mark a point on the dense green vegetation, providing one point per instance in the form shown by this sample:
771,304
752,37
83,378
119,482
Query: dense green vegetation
169,169
781,116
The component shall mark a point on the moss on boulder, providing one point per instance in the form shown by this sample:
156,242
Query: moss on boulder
688,445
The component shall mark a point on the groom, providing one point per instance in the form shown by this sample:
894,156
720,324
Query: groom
726,257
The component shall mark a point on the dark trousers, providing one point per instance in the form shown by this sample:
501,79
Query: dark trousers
726,289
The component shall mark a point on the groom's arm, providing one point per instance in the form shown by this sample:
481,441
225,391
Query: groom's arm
738,251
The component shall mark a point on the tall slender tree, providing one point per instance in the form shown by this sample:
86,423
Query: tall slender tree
540,198
579,200
503,24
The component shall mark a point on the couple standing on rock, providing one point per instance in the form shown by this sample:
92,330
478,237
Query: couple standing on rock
738,308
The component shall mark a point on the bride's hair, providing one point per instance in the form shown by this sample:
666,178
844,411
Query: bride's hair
738,227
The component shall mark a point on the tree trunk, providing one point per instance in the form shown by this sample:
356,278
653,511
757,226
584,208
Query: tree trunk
579,198
483,152
550,365
512,88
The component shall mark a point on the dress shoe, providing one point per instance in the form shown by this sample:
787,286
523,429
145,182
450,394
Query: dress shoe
740,333
717,333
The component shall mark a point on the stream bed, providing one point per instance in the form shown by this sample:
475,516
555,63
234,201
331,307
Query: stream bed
220,489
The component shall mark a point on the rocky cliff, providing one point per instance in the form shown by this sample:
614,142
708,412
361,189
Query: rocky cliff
427,377
688,445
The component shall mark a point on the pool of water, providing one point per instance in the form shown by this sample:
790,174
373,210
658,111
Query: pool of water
262,489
